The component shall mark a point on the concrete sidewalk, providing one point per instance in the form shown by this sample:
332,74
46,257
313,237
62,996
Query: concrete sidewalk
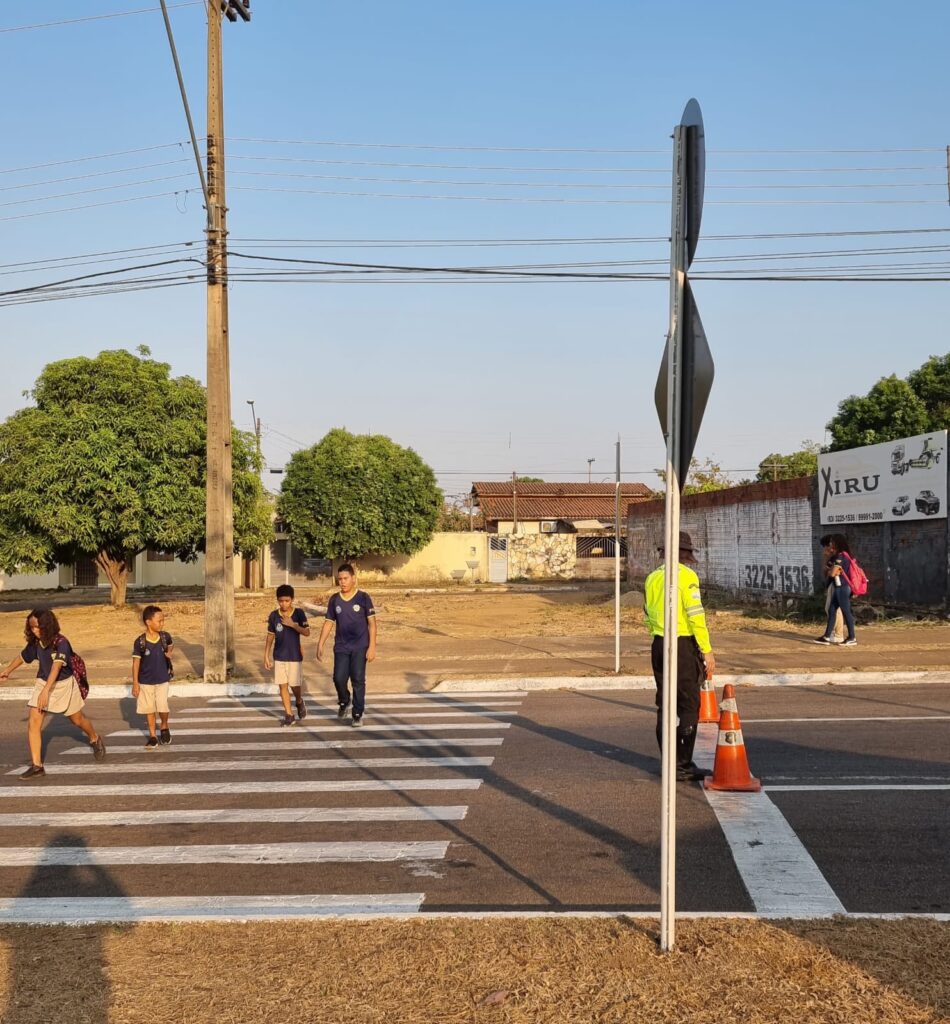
890,651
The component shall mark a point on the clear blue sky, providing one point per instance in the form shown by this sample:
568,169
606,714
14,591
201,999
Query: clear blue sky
485,378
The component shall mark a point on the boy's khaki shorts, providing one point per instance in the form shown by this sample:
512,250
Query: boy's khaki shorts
288,673
152,699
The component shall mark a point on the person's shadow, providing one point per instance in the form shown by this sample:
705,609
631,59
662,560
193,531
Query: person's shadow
58,975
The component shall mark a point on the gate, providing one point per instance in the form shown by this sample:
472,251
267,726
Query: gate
85,573
497,559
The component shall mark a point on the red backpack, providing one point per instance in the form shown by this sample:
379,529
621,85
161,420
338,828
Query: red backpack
857,578
78,666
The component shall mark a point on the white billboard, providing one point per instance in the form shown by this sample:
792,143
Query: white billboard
890,482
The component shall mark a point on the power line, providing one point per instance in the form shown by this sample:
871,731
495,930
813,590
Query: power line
97,17
93,206
88,159
98,188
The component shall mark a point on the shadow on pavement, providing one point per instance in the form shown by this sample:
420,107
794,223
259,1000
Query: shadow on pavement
59,975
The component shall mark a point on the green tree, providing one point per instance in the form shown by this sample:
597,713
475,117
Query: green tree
788,467
528,480
890,410
931,384
109,461
352,495
702,477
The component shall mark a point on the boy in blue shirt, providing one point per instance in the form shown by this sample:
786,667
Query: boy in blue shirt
151,673
355,643
283,651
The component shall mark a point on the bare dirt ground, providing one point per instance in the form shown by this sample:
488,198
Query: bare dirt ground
468,972
428,636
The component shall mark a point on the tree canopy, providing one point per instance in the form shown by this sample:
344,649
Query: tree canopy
351,495
702,477
895,407
776,466
109,461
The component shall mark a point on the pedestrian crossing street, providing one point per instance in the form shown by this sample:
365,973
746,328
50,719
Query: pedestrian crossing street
241,819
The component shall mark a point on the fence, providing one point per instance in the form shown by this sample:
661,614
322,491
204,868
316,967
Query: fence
595,558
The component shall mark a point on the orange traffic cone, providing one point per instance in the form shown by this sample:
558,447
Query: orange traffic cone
731,768
708,709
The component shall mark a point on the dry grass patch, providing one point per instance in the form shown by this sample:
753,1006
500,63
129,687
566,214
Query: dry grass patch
565,971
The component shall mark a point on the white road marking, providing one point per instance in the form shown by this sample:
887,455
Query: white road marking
331,715
237,853
435,698
318,730
852,789
165,764
274,787
115,909
233,816
869,718
326,709
304,744
777,871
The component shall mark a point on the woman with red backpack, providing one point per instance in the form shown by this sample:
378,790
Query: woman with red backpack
57,689
841,567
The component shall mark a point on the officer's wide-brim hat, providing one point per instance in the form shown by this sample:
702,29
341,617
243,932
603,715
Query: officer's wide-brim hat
686,544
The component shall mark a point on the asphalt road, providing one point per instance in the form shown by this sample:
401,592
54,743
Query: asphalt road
548,801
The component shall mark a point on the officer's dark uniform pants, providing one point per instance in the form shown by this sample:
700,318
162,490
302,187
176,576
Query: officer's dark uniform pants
690,671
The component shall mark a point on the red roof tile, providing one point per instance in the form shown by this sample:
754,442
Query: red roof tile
556,500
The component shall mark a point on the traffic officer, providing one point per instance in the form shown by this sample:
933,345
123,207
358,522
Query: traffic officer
695,659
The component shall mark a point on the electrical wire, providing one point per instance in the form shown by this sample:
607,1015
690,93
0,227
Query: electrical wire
92,191
89,159
93,174
97,17
93,206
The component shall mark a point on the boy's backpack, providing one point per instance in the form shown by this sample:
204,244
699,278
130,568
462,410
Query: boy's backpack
857,578
78,666
141,641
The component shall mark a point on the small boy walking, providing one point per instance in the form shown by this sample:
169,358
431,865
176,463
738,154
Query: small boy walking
152,672
283,651
352,612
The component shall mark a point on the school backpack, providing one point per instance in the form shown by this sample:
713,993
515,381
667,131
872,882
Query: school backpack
78,666
857,578
163,639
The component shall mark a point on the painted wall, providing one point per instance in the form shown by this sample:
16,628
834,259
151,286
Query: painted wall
30,581
760,544
433,564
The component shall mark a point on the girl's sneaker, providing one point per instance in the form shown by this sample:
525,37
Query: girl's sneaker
850,642
166,737
33,772
287,720
152,743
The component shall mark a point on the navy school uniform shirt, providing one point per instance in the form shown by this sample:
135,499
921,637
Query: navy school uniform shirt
352,621
59,651
153,662
287,641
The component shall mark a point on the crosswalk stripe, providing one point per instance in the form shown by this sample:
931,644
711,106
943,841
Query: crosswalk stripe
237,853
164,764
117,909
489,695
40,792
304,744
324,709
315,729
234,816
331,715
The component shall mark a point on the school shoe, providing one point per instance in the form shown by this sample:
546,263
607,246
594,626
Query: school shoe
824,640
357,721
287,720
166,737
850,642
341,711
33,772
301,710
152,743
98,749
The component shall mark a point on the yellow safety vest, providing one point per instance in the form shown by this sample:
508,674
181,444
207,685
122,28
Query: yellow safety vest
691,619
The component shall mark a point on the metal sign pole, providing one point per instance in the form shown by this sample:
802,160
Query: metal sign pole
617,567
674,389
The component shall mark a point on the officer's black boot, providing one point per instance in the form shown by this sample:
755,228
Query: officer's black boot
686,769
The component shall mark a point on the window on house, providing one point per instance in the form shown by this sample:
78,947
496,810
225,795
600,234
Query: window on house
159,556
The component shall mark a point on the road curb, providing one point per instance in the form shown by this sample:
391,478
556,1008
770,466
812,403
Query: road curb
541,683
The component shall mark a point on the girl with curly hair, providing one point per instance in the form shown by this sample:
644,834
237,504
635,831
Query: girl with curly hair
56,690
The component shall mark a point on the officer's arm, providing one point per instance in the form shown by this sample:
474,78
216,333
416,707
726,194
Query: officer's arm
696,618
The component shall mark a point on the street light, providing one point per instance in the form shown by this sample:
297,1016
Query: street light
590,463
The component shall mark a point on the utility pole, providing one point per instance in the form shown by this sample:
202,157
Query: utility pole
590,463
617,568
219,514
258,564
